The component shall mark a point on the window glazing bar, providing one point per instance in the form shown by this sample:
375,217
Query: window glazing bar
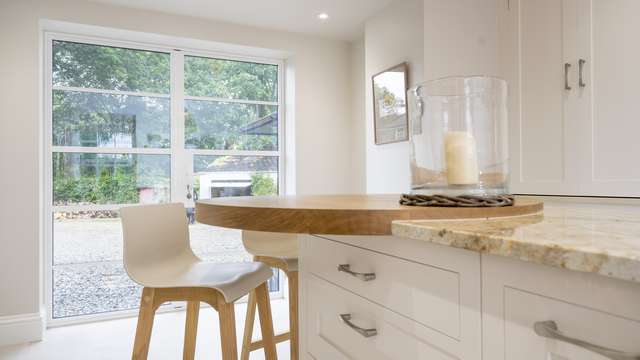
111,92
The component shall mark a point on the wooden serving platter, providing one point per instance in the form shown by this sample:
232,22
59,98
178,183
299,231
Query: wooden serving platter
337,214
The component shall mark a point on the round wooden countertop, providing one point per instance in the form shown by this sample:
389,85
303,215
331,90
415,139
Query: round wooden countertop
335,214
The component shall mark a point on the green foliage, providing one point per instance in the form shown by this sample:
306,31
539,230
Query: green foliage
107,178
86,119
230,79
111,68
105,189
82,119
220,125
263,184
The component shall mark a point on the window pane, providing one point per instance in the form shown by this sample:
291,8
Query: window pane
80,178
218,176
110,68
88,274
229,79
104,120
230,126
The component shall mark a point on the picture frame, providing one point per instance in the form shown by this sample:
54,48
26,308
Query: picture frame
390,111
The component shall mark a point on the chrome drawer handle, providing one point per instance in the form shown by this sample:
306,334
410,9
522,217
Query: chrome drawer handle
549,329
566,76
362,276
346,319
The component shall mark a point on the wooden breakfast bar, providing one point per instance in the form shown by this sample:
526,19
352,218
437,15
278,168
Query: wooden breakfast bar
335,214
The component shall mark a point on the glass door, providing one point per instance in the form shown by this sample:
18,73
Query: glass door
231,141
135,124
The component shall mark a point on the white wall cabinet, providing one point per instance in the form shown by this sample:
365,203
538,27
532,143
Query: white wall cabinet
572,67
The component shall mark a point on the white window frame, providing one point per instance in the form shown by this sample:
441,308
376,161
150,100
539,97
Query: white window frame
177,48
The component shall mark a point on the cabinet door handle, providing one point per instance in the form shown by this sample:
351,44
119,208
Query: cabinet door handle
581,63
549,329
346,268
566,76
346,319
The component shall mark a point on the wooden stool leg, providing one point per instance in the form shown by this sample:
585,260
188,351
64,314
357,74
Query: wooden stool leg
248,326
266,322
293,313
227,315
145,324
191,330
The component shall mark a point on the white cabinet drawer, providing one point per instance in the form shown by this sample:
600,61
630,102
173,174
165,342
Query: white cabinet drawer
328,337
523,309
428,295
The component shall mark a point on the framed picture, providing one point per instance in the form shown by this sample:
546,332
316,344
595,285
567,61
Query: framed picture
390,120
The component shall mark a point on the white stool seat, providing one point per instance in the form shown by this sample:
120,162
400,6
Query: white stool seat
233,280
278,245
157,254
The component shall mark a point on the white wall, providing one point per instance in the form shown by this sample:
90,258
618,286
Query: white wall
438,38
358,127
460,37
321,133
393,36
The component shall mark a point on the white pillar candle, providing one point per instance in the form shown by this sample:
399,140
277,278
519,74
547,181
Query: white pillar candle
461,158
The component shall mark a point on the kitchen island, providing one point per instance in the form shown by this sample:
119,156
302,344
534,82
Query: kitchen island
559,285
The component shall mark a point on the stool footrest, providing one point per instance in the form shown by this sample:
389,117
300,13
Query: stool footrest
255,345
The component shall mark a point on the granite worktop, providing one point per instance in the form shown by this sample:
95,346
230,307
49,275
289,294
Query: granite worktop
591,237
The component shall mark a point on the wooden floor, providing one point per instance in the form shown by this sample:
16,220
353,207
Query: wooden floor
114,339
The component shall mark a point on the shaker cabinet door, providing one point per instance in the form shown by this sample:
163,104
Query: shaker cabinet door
536,312
596,328
609,122
534,35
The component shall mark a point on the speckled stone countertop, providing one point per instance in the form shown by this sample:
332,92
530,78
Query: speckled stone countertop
597,238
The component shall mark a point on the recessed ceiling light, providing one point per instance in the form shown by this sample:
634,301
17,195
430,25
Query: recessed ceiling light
323,16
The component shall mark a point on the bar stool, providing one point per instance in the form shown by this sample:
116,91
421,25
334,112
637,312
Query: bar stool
158,256
277,250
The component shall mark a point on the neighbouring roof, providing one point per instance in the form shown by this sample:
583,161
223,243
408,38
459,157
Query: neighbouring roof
244,163
266,125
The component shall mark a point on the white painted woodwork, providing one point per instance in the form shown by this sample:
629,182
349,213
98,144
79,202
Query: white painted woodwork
427,294
589,307
398,337
463,262
608,30
580,141
431,289
532,57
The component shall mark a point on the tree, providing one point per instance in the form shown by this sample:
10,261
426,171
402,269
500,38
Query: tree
218,125
263,184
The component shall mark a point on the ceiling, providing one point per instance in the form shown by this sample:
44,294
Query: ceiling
346,17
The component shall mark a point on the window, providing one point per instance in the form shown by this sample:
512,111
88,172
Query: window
115,138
